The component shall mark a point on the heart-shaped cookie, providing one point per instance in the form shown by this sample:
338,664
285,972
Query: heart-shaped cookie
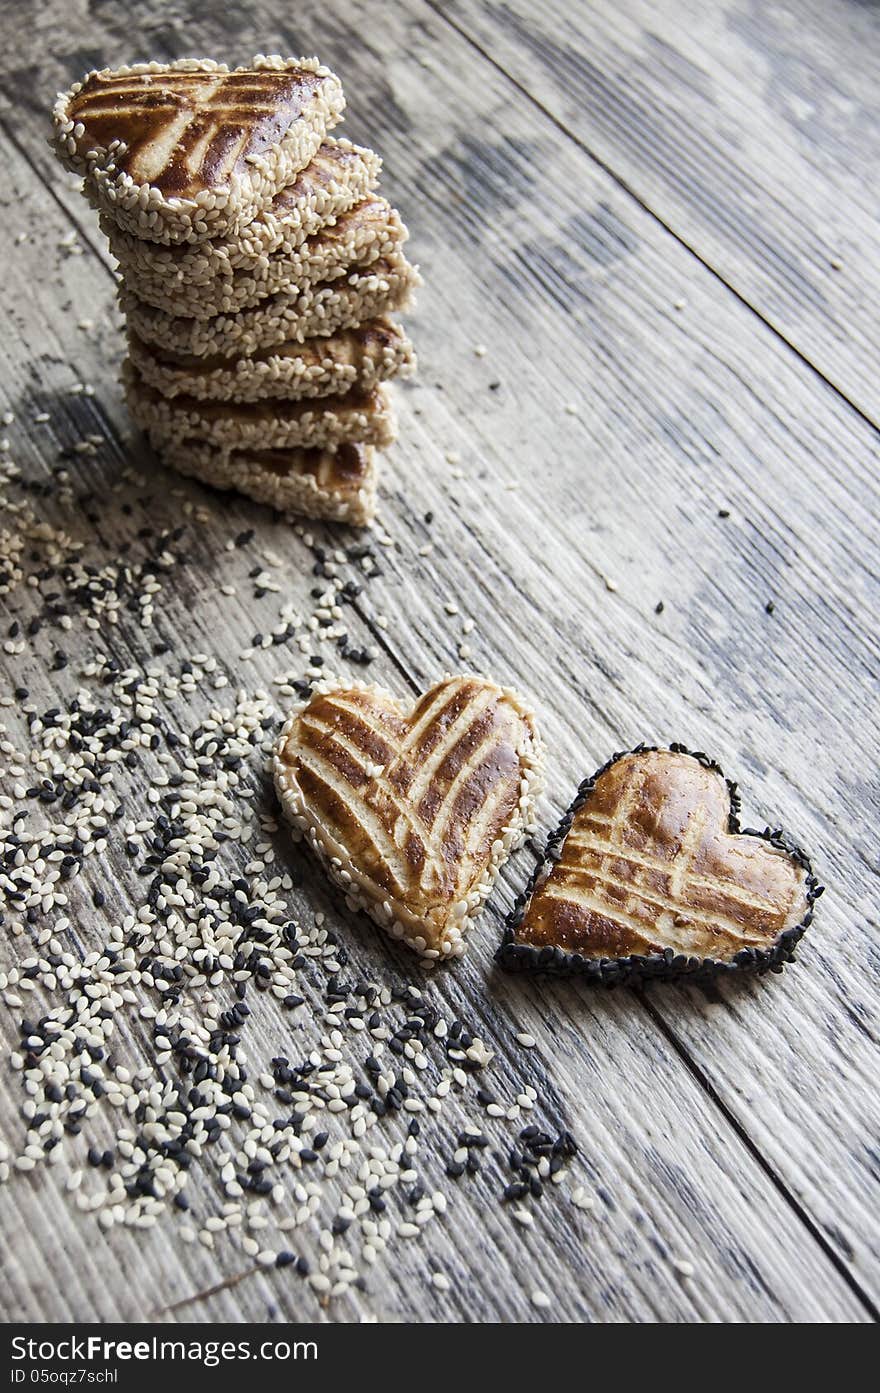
412,812
649,875
187,150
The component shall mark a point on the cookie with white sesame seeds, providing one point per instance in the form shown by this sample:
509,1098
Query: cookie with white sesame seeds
359,358
412,811
366,292
184,151
358,237
339,176
365,417
337,485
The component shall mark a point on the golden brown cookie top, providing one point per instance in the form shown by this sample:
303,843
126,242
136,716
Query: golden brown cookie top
649,865
185,132
414,801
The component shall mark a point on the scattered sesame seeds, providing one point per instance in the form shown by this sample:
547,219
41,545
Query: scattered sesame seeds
541,1300
581,1199
136,804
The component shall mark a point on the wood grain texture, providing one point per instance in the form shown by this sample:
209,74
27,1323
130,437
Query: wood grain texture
732,1128
749,130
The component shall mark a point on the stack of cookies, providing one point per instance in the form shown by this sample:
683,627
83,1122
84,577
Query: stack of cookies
259,268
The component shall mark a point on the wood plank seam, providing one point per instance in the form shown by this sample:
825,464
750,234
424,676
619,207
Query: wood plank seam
653,1013
646,207
735,1123
381,642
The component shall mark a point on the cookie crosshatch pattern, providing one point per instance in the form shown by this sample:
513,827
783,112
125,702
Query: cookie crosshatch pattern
239,226
185,151
634,480
649,875
414,813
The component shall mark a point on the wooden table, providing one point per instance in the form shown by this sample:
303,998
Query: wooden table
648,344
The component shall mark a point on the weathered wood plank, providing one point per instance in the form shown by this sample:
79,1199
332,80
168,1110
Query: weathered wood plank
663,393
749,130
612,1278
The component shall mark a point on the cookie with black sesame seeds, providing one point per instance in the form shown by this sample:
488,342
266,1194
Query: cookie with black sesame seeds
370,230
364,417
649,875
359,358
212,917
185,151
413,811
365,292
338,485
